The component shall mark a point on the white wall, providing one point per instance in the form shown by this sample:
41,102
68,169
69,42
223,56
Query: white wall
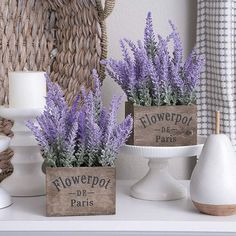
128,20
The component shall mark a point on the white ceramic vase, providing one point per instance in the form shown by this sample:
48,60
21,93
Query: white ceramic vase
213,182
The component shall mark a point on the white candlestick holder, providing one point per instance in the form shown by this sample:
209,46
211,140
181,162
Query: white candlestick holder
158,183
5,198
27,179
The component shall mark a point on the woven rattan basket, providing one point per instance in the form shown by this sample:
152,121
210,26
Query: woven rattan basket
66,38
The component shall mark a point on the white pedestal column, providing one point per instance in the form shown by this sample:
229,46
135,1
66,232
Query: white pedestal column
158,184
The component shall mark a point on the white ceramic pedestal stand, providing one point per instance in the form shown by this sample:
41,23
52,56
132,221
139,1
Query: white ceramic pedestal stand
5,198
158,184
27,178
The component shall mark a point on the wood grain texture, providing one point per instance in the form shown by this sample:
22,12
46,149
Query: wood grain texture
163,125
216,210
80,191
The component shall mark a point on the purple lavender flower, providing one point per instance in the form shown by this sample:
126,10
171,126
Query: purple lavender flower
164,64
111,120
178,49
155,90
117,70
86,135
177,85
92,130
119,136
191,72
103,120
115,134
122,132
150,75
39,136
149,37
97,94
97,144
81,133
56,128
125,53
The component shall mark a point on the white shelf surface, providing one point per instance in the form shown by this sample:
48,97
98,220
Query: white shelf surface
133,215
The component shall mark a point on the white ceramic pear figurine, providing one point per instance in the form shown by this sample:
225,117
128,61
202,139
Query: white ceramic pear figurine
213,182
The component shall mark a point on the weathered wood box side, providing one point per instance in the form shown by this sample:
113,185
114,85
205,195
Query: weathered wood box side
163,125
80,191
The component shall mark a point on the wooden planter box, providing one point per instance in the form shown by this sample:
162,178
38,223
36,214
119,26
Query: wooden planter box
163,125
80,191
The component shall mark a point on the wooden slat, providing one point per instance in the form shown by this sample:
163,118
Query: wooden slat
80,191
163,125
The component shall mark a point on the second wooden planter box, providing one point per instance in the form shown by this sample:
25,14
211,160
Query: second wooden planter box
80,191
163,125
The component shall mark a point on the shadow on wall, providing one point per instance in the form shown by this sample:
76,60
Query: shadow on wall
192,26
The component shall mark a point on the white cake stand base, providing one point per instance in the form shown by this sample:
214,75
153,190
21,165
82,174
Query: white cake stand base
158,184
5,198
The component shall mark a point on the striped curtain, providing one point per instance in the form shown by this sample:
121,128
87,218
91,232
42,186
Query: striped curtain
216,39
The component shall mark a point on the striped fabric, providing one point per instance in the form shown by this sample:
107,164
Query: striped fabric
216,39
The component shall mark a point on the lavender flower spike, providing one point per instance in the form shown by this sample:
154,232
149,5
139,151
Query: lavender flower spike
80,135
149,37
151,75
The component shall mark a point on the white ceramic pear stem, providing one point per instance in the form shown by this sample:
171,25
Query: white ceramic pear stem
158,184
27,178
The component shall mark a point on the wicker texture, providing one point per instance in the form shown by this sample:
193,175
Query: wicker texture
66,38
81,42
24,44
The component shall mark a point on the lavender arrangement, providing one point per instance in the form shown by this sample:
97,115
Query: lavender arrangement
83,135
153,77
